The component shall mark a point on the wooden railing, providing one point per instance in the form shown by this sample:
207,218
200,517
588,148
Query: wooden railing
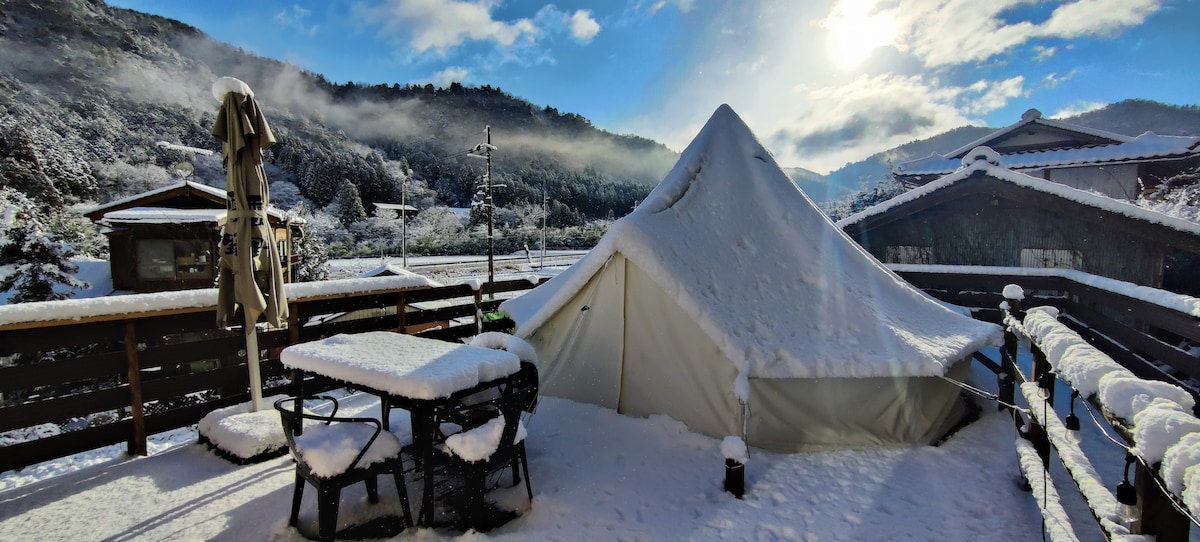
77,384
1139,328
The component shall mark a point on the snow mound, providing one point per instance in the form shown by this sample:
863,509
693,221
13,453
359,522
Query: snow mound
225,85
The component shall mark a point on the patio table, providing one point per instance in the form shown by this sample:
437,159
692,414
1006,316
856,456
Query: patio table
413,373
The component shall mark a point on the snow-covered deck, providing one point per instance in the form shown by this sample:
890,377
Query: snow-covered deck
597,475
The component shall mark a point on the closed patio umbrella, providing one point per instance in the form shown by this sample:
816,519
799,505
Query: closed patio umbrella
250,275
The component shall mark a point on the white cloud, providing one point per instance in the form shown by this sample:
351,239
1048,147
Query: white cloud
843,123
994,94
1097,17
1043,53
765,60
952,32
1077,108
683,6
583,26
450,75
295,17
441,25
1054,79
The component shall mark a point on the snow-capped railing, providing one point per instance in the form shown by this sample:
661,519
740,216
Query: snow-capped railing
78,375
1129,323
1154,417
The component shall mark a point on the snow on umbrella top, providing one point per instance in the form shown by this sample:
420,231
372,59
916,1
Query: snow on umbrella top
250,273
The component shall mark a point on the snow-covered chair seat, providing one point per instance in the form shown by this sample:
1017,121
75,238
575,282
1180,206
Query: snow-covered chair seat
492,438
339,452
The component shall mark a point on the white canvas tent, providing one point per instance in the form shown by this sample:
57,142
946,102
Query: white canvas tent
728,285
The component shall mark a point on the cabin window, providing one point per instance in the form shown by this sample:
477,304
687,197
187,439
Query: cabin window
908,254
1052,257
163,259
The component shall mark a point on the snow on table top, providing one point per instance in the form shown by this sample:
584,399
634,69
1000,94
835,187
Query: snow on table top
780,290
403,365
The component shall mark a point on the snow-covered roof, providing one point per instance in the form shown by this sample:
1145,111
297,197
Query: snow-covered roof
396,207
161,215
780,290
985,161
216,193
1144,147
1031,117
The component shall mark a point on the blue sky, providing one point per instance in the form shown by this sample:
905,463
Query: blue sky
821,82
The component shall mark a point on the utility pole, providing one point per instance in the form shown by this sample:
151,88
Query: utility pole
404,223
542,262
487,132
484,150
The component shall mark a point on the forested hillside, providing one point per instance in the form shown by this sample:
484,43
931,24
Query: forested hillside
87,90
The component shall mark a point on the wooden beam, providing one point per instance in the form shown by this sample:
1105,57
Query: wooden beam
137,442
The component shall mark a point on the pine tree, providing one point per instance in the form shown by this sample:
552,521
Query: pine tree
32,262
314,259
347,206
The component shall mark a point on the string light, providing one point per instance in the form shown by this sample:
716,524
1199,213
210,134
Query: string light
1045,382
1071,422
1127,508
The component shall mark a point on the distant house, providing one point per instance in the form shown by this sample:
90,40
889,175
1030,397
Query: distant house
166,239
1079,157
987,215
408,210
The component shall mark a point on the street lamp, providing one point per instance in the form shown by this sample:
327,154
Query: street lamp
403,209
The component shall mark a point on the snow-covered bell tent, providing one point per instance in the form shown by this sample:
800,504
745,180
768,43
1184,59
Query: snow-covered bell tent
727,285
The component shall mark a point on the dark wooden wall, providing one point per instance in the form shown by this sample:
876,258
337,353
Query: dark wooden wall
991,226
122,246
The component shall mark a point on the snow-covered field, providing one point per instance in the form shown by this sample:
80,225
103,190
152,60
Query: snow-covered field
597,475
456,269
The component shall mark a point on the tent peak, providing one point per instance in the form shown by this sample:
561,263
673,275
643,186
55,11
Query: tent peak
724,138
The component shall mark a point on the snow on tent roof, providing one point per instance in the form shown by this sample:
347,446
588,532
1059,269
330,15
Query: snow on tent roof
780,290
986,161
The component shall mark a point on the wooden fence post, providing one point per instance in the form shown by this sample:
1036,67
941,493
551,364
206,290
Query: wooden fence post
1007,379
402,312
479,311
1037,431
137,441
1159,516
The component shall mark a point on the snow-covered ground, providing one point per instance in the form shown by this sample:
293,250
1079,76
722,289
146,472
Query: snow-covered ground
597,475
455,269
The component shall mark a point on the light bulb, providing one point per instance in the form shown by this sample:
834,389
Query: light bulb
1127,503
1072,425
1045,382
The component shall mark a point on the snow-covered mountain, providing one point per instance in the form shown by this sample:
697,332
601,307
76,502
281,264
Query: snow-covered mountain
87,90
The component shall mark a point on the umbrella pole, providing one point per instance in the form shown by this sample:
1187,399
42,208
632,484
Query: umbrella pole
252,363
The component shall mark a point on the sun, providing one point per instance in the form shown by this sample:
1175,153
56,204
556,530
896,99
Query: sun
855,32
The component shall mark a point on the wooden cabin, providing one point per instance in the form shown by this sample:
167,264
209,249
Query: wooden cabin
166,239
1115,165
987,215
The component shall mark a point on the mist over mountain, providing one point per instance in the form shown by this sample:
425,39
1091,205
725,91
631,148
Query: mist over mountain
1129,117
86,90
